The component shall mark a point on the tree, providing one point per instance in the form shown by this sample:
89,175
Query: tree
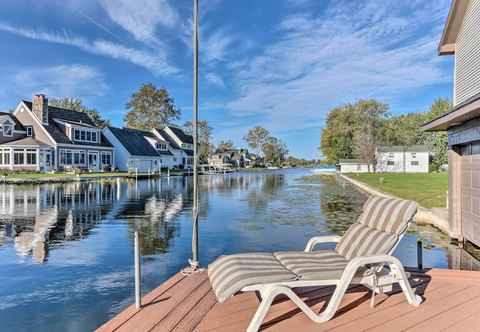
274,151
150,108
256,138
205,146
77,105
225,146
372,115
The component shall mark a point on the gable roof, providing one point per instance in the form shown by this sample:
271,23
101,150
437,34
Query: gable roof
134,141
18,125
56,130
452,27
169,139
26,141
182,136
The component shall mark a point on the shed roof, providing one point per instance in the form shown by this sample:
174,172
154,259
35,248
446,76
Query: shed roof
134,141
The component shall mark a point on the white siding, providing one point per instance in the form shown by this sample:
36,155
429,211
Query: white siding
398,162
467,55
354,168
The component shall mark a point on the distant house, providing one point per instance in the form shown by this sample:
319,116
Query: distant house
391,159
133,151
180,144
40,137
461,38
353,166
403,159
238,158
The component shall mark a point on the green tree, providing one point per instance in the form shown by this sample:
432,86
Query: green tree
205,146
274,151
150,108
225,145
77,105
256,138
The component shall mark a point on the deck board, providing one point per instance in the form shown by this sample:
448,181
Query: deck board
187,303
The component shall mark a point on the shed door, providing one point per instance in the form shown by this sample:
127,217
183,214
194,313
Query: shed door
471,197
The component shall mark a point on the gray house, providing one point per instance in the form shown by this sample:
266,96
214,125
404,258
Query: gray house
50,138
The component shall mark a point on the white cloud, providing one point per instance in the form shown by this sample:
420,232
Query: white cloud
351,51
59,81
216,46
155,61
142,17
215,79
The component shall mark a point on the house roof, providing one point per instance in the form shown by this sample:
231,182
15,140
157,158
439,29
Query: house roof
70,116
182,136
462,112
403,148
18,125
134,141
27,141
452,26
169,139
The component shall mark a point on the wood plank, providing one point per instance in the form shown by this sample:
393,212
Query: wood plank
470,324
193,319
158,309
131,310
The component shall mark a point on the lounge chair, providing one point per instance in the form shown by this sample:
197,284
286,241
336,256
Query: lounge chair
362,256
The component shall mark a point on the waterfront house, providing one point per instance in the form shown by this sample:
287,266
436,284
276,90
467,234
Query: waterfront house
461,38
133,151
180,144
40,137
391,159
238,158
403,159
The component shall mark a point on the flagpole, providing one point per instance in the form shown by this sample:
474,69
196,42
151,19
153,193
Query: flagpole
194,260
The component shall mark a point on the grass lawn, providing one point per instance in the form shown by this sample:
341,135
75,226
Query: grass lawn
429,190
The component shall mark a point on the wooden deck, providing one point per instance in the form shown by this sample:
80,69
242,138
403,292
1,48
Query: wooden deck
451,303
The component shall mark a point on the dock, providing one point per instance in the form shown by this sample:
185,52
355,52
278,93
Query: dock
187,303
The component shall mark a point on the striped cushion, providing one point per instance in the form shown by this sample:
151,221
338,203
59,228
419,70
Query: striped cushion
389,215
324,264
361,240
229,274
378,227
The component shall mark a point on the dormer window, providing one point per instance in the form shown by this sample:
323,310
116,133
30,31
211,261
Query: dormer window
29,131
7,129
160,146
85,135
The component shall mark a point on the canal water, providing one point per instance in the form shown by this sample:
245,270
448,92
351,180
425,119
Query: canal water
66,250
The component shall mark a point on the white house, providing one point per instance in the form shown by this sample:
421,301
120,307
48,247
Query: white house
403,159
132,150
392,159
353,166
180,144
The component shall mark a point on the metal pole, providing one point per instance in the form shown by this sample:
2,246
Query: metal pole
419,255
194,260
138,277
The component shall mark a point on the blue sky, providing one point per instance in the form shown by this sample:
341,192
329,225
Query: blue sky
281,64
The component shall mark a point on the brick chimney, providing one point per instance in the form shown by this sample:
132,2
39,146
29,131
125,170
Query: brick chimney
40,107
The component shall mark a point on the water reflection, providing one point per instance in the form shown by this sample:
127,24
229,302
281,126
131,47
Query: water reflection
37,218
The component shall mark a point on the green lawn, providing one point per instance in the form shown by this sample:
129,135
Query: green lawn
429,190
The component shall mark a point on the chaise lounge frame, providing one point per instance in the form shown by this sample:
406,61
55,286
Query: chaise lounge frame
383,271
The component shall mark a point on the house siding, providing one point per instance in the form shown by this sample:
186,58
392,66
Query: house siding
26,118
467,55
397,162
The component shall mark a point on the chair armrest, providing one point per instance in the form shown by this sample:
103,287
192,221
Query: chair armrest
395,265
321,239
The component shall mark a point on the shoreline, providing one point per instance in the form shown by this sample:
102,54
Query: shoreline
436,217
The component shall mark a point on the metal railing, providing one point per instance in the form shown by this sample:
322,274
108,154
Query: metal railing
138,276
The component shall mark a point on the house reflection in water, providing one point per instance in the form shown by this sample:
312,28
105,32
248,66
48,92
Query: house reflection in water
36,218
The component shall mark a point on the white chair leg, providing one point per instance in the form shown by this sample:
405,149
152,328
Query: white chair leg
412,298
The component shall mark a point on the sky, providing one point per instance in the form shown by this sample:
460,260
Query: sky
280,64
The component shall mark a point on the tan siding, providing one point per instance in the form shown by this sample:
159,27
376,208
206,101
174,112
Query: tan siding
26,118
467,56
471,198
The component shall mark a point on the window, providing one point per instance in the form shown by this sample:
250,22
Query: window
7,130
106,158
391,155
390,163
414,163
476,148
160,146
414,155
85,135
48,158
29,131
65,157
18,156
31,156
5,157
